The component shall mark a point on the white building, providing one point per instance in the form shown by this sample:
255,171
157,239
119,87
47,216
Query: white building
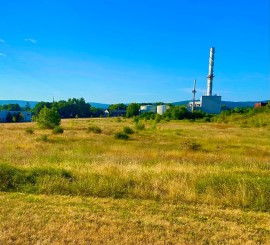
161,109
208,104
148,108
211,104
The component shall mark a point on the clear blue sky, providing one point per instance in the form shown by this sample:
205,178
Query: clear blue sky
112,51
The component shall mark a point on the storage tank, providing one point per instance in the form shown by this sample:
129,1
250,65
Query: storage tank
161,109
148,108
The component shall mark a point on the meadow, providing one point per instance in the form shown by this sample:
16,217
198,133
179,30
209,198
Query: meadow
172,182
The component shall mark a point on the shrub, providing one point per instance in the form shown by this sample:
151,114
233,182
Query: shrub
158,118
118,119
192,146
128,130
140,126
48,118
121,136
43,138
29,130
136,119
94,129
30,180
58,130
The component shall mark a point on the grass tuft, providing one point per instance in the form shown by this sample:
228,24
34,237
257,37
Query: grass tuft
121,136
94,129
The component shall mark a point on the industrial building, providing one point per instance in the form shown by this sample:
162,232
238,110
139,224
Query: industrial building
148,108
260,104
27,116
160,109
209,103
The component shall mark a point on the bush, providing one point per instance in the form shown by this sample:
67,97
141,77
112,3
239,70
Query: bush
158,118
29,131
190,145
43,138
30,180
140,126
128,130
48,118
136,119
58,130
94,129
121,136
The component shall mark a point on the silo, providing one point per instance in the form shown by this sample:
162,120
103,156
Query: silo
161,109
148,108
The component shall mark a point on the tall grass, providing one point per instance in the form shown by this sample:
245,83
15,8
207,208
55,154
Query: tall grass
173,161
238,190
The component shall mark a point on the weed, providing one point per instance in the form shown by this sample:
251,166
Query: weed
118,119
128,130
140,126
190,145
58,130
94,129
29,130
121,136
28,180
43,138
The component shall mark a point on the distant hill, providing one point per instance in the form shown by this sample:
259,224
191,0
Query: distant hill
21,103
231,104
228,104
184,102
32,104
99,105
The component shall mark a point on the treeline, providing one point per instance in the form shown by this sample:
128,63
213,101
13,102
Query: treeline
245,116
70,109
248,116
73,108
15,107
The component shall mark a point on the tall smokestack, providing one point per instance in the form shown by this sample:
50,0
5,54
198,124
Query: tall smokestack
210,72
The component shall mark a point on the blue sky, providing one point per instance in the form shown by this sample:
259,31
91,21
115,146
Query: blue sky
112,51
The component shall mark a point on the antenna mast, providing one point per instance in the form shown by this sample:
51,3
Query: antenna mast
194,93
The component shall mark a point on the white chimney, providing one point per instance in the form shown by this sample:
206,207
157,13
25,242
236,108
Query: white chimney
210,72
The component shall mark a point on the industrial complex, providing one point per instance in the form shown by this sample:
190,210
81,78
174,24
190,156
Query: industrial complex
208,103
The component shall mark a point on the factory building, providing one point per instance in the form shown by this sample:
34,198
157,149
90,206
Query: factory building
27,116
148,108
160,109
209,103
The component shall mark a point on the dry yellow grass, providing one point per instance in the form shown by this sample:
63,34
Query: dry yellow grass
176,183
32,219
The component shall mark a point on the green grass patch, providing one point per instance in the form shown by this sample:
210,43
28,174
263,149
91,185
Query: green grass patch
94,129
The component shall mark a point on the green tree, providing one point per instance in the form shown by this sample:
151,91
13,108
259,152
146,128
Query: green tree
27,107
39,106
9,117
11,107
96,112
133,109
48,118
114,107
176,113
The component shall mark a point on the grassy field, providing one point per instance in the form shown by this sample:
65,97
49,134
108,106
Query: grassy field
173,182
